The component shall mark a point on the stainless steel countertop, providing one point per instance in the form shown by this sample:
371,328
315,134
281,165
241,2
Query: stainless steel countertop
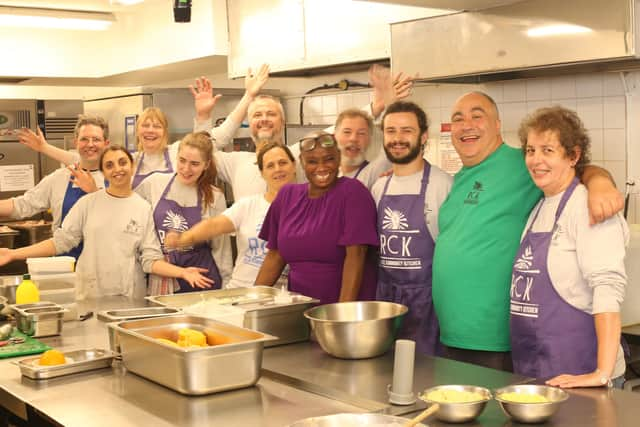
109,397
299,381
363,383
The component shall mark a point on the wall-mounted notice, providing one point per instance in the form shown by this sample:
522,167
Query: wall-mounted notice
16,177
130,133
449,160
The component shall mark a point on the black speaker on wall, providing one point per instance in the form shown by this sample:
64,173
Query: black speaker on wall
182,10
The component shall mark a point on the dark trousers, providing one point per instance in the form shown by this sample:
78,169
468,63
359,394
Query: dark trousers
500,360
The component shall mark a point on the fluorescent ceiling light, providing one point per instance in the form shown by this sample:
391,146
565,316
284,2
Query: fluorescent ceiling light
54,18
557,30
126,2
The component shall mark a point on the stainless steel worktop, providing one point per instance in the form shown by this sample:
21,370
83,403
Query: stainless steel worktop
113,396
363,383
298,381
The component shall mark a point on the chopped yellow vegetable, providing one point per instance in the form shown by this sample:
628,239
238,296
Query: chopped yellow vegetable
52,358
190,337
524,398
453,396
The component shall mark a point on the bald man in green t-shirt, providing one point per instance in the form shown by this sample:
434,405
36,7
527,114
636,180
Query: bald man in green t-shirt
480,227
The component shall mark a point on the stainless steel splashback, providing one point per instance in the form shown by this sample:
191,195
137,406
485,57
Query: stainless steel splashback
524,35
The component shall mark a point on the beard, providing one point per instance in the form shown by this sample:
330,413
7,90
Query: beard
413,154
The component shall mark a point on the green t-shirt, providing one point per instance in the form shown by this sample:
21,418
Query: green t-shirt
481,222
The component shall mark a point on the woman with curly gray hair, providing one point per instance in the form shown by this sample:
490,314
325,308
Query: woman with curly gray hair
568,276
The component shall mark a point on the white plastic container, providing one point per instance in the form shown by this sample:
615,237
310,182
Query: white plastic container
51,265
58,288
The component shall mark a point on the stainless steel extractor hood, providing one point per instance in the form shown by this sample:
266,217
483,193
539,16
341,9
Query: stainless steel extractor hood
545,36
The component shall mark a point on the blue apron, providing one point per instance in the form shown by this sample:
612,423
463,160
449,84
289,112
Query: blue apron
71,196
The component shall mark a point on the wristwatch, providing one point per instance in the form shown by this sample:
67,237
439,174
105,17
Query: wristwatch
605,380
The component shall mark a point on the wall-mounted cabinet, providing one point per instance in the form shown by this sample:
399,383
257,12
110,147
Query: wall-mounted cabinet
295,35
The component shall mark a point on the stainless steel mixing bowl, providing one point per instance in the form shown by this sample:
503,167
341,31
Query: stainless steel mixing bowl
356,330
531,412
353,420
463,412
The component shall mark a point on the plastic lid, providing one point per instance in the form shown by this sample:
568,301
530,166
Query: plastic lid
26,276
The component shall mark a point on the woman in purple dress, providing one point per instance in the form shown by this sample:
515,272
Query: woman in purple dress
322,229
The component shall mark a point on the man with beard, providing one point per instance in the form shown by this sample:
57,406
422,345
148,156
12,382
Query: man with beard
408,204
238,168
266,123
481,223
353,131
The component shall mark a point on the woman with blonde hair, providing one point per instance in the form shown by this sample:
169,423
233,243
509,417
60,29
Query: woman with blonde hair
182,199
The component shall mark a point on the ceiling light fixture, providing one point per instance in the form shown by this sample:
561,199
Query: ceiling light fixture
557,30
54,18
126,2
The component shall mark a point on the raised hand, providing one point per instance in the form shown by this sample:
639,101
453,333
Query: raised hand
253,83
203,98
36,142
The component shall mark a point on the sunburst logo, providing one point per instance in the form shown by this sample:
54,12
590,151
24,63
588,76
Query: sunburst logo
526,260
394,220
175,221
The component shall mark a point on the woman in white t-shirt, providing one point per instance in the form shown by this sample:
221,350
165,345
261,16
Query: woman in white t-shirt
245,217
120,242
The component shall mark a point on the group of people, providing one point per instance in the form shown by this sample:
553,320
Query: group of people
514,263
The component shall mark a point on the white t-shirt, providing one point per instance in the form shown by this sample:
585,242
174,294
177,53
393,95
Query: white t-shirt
371,173
247,216
437,190
48,194
585,262
152,187
120,244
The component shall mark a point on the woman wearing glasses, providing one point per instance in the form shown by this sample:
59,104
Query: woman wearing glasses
181,200
245,217
322,229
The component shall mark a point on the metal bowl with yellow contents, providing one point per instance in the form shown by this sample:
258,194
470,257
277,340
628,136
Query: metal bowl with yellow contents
458,403
530,403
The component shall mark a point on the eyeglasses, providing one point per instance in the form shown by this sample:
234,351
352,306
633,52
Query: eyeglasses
88,139
325,140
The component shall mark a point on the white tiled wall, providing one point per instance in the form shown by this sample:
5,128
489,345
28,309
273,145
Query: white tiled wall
599,100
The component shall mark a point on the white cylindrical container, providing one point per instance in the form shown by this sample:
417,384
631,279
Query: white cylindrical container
401,390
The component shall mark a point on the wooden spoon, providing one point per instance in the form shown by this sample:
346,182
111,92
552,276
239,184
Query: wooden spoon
422,415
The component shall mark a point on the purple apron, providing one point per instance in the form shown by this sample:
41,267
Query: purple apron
169,215
138,177
362,166
406,257
549,336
